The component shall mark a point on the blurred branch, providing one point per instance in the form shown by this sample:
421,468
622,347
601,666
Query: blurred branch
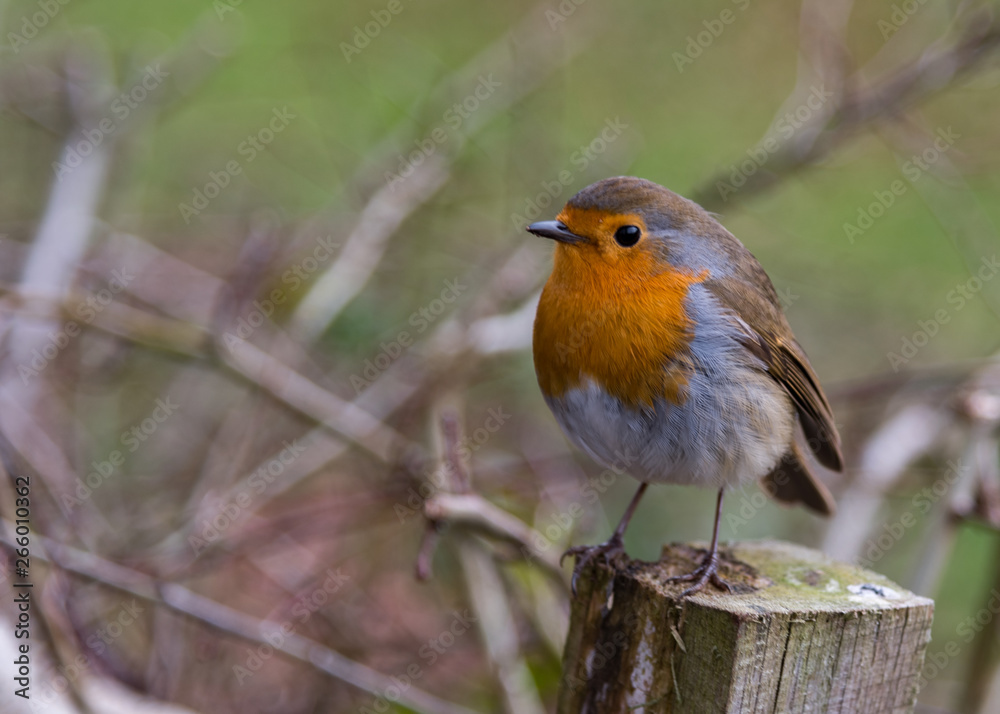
33,418
246,361
976,407
861,103
225,619
952,202
157,275
899,441
377,222
460,478
499,629
939,535
56,618
456,479
507,332
918,429
824,60
535,46
59,245
455,341
475,513
392,202
117,319
982,682
455,504
307,398
988,497
483,580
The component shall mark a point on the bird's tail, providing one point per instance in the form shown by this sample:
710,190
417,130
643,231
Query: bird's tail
792,481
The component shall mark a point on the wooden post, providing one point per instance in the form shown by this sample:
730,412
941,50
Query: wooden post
802,633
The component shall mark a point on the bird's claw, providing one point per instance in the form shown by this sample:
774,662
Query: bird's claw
707,572
609,550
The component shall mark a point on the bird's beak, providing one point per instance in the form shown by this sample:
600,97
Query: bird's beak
556,230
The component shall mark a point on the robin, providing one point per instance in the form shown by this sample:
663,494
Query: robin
661,348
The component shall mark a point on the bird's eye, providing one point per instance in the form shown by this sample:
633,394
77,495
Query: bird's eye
627,236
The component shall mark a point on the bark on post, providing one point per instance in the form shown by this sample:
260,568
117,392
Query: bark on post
802,634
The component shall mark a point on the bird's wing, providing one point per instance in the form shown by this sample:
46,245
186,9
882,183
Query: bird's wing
789,366
767,335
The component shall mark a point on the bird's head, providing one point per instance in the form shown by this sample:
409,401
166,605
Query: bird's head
624,225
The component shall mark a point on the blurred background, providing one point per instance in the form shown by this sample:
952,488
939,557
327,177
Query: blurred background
266,307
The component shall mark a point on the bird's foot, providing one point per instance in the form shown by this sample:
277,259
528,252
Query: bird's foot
610,551
707,572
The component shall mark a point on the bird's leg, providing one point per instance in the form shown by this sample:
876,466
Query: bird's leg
611,548
708,570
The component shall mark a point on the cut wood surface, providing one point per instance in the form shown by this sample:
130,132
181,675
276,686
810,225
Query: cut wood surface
801,633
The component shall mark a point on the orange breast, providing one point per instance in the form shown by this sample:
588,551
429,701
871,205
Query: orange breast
624,326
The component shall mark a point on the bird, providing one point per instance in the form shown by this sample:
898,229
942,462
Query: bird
661,348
